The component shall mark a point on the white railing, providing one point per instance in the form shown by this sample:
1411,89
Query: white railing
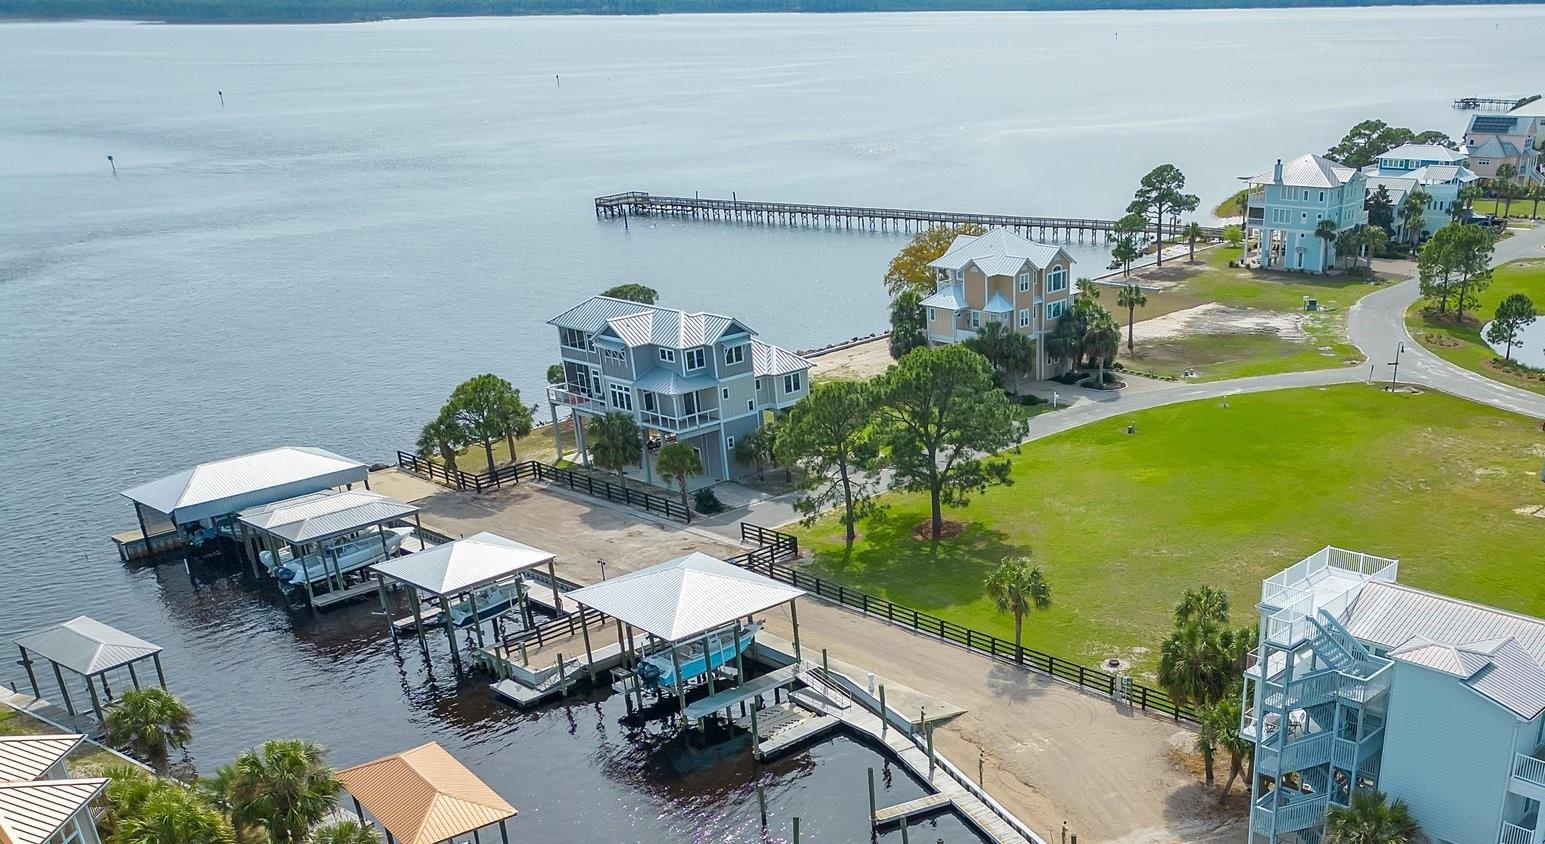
1295,815
569,395
1529,769
1303,692
1363,690
681,423
1514,834
1294,578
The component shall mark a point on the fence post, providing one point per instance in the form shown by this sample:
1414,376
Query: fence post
1080,676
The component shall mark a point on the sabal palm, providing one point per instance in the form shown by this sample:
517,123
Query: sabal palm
1131,297
1087,290
679,462
1412,213
1370,818
1203,603
615,441
1373,238
1222,722
443,436
285,786
1101,342
1193,233
1195,666
1017,586
1326,232
345,832
172,815
150,723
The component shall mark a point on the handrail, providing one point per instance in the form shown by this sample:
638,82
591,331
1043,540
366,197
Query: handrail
536,470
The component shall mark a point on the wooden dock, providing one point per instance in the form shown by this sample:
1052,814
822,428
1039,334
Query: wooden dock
925,805
1486,103
641,204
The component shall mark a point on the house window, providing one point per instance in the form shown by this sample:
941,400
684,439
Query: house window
734,355
955,274
758,383
726,392
1056,309
729,443
695,359
750,405
1024,282
1024,317
621,398
791,382
648,400
595,381
668,355
1056,279
572,338
930,314
1322,196
976,319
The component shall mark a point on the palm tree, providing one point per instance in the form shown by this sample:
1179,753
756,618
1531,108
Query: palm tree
615,441
1325,230
285,786
679,461
1536,193
516,419
1203,603
345,832
150,723
1016,586
1369,818
1192,233
1131,297
445,436
172,815
1087,290
754,447
1195,667
1372,239
1502,185
1413,213
1467,196
1222,722
1101,342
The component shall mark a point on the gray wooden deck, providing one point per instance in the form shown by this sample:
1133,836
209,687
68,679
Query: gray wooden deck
925,805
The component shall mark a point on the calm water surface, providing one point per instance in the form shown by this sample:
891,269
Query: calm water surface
380,210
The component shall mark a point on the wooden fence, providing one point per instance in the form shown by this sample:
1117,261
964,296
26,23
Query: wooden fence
536,470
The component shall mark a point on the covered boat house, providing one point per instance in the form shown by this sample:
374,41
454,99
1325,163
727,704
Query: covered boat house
425,796
485,567
316,541
204,500
91,649
698,610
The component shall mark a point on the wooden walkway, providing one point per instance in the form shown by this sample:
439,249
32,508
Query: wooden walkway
925,805
641,204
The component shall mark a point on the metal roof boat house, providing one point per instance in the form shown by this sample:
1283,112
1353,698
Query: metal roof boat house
204,500
425,796
40,803
700,378
1360,683
90,649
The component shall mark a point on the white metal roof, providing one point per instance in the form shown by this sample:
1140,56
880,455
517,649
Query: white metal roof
24,758
32,812
326,514
637,324
998,252
87,646
1435,153
225,486
679,599
1308,171
950,297
463,565
667,381
767,359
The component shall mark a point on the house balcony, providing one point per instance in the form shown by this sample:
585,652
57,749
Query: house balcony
1529,774
1515,834
1363,689
572,397
1299,753
1304,692
1350,755
1304,812
679,424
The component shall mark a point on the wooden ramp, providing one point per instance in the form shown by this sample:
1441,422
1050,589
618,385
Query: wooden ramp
925,805
542,596
333,597
750,689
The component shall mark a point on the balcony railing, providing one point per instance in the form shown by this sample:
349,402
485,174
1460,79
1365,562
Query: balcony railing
1301,753
1295,815
1303,692
569,395
1530,769
1364,690
682,423
1515,834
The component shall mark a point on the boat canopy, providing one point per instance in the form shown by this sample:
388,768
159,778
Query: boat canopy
685,597
87,646
464,565
319,516
211,490
425,796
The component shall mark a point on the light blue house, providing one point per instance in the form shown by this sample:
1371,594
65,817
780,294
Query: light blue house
1285,206
1360,682
1436,169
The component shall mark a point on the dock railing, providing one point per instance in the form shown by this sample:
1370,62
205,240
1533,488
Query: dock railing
514,473
1097,680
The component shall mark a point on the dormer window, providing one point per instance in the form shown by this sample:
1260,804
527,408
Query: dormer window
668,355
734,355
957,275
696,359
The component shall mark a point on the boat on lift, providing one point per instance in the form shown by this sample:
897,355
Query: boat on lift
357,553
490,600
658,671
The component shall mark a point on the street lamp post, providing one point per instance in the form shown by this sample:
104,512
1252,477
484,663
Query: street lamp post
1394,377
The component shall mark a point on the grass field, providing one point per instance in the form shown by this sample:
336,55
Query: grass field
1224,496
1521,208
87,760
1219,356
1462,344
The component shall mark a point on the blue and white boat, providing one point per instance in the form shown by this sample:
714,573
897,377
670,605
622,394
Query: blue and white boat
340,559
657,670
491,600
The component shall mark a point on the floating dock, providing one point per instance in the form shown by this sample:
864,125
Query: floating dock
925,805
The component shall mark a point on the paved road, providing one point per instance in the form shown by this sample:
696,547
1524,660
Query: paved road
1376,325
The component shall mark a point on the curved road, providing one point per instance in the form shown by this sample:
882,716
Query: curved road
1376,325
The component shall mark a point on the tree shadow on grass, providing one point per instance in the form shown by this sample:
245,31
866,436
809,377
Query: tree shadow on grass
927,575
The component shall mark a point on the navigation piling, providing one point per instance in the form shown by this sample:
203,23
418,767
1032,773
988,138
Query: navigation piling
113,165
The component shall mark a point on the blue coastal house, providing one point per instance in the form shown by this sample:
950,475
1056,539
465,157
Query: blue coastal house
1361,683
1286,204
1436,169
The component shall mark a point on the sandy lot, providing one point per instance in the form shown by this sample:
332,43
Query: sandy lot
857,363
1052,753
1213,318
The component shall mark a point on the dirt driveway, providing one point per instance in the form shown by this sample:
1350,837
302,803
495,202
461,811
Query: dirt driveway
1052,753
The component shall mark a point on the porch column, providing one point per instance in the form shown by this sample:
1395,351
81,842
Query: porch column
579,439
552,577
552,410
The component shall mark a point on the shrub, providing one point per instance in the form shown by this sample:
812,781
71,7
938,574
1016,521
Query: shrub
707,502
1031,400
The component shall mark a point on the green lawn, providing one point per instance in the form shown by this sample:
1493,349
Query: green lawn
1521,208
87,760
1462,344
1219,356
1225,496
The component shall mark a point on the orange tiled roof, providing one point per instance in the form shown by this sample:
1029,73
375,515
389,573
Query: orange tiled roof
425,796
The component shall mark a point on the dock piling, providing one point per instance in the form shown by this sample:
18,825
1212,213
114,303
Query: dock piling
872,807
761,801
796,829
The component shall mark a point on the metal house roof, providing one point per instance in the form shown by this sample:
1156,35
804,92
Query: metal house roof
425,796
24,758
998,252
1309,171
767,359
637,324
326,514
679,599
87,646
31,812
226,486
463,565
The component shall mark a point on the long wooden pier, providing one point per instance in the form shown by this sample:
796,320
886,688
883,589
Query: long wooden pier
1486,103
641,204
